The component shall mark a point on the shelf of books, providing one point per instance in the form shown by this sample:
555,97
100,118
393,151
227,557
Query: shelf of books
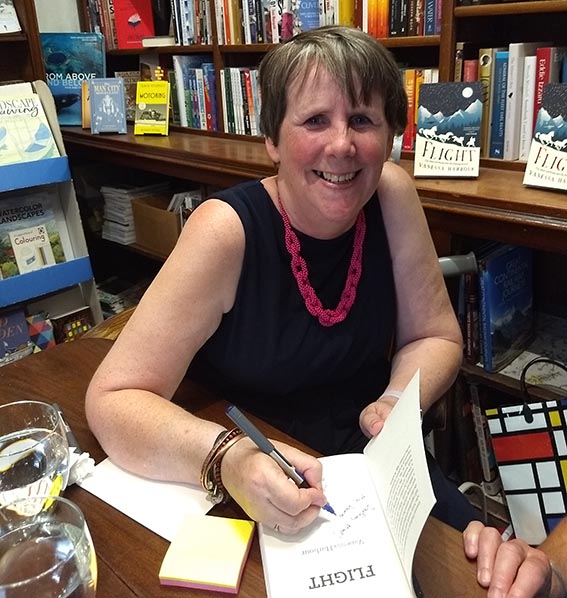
43,253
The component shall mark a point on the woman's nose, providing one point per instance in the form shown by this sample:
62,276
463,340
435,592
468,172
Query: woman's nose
341,141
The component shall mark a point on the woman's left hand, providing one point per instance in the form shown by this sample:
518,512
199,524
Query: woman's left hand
373,416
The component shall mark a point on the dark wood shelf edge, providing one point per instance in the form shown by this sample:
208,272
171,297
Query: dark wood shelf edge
510,8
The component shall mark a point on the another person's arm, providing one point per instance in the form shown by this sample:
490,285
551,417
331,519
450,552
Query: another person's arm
128,403
515,569
428,336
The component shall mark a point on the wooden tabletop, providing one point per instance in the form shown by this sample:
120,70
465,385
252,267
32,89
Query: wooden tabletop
129,556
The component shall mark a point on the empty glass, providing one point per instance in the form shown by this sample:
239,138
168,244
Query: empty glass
46,550
34,452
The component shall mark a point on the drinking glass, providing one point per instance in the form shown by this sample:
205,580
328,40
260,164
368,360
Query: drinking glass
46,550
34,451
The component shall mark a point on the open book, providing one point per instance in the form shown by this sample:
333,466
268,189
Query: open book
382,499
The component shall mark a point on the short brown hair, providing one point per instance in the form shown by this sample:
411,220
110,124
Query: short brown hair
353,58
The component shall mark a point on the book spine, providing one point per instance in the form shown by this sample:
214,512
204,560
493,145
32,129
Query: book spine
181,87
484,320
499,105
429,20
470,70
409,133
459,60
202,104
548,70
346,13
526,117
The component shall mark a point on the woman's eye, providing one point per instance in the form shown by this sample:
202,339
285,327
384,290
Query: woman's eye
360,120
314,120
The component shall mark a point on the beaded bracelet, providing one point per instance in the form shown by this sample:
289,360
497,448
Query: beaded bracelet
561,580
211,470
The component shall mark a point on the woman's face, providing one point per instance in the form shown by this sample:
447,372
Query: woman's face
330,155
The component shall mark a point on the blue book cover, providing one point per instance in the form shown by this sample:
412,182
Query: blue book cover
70,59
108,105
14,333
429,22
447,142
498,121
307,16
211,89
506,303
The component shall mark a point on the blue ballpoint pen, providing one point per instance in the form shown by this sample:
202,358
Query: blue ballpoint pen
267,447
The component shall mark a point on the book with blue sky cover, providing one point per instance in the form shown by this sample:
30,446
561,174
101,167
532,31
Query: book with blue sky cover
70,59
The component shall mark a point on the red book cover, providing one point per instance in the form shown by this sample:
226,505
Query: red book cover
548,67
133,20
470,69
409,133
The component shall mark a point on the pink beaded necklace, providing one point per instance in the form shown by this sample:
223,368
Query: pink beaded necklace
326,317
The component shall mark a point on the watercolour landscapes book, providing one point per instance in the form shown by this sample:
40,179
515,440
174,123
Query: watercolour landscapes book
33,232
25,134
108,105
208,553
447,140
505,274
70,59
548,150
381,498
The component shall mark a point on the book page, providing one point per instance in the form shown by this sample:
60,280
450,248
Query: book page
396,461
343,555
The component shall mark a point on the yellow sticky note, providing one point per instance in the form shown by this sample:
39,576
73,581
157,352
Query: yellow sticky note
208,553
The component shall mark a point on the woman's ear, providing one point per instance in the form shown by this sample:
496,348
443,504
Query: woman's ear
272,150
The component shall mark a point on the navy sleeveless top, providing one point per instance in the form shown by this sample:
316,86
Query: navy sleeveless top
272,358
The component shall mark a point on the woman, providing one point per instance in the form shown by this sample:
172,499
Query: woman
306,298
513,569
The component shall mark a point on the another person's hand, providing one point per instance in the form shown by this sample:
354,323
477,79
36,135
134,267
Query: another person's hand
263,490
373,416
507,569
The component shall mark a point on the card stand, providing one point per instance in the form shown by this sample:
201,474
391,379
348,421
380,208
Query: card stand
49,279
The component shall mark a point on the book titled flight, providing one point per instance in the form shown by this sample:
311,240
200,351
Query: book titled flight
381,499
449,119
70,59
208,553
25,134
547,160
107,105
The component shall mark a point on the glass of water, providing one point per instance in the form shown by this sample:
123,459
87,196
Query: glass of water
34,452
46,550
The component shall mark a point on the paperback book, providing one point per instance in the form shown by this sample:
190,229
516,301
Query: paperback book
70,59
9,22
152,108
33,232
548,150
14,336
25,134
108,105
130,79
449,119
381,498
506,315
133,20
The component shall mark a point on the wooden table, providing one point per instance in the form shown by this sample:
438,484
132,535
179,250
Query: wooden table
129,555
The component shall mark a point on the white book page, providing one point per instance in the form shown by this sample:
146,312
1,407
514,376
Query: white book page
343,555
396,461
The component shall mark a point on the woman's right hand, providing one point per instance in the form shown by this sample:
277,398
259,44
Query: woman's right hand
265,493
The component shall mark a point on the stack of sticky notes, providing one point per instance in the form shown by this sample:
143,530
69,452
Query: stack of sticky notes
208,553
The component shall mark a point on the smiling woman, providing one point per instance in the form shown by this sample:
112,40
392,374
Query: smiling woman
309,298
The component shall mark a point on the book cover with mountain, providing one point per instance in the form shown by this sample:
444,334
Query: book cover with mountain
505,274
70,59
548,150
33,232
447,140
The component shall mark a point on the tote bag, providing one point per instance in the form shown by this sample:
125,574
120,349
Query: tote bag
530,445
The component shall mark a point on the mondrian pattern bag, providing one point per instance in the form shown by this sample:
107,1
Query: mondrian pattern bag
530,445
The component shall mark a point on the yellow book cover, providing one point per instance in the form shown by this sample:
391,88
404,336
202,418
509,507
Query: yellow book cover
85,105
152,108
208,553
